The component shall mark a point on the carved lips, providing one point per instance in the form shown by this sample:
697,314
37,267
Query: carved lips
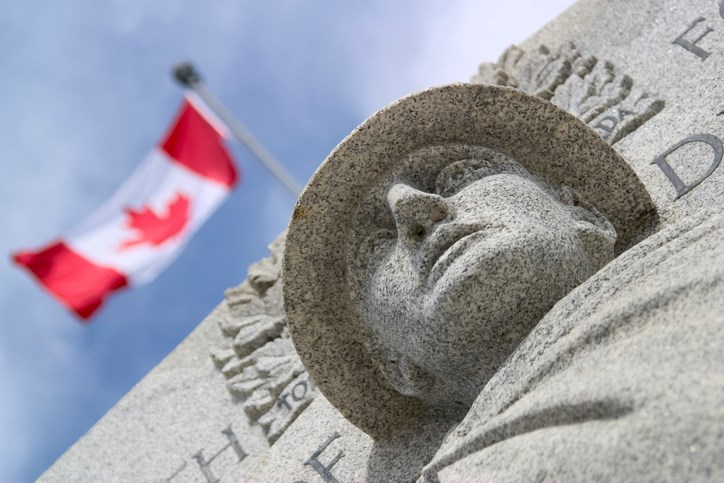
445,244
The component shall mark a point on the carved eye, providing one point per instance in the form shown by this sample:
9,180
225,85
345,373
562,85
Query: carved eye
460,174
457,175
375,246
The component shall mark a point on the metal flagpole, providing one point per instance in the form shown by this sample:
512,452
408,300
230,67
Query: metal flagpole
189,77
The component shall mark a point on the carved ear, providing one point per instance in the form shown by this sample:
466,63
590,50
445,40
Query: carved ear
597,234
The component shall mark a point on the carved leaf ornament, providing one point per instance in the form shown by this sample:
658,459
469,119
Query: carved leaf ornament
259,362
585,86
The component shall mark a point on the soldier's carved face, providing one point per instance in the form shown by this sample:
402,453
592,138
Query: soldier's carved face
454,277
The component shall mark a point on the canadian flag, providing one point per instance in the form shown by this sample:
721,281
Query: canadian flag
144,226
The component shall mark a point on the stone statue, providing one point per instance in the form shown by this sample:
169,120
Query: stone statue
461,267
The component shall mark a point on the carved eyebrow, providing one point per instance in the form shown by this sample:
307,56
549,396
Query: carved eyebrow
459,174
368,250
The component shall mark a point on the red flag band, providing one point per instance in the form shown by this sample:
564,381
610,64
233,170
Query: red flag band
144,226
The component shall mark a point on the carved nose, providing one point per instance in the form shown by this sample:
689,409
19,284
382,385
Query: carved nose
415,212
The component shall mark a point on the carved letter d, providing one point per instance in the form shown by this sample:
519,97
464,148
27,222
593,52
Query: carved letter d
681,187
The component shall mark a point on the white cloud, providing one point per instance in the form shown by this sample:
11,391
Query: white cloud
451,40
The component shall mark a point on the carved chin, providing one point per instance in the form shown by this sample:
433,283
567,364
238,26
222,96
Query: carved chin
477,318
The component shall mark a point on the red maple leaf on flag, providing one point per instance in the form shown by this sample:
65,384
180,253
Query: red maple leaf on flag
154,228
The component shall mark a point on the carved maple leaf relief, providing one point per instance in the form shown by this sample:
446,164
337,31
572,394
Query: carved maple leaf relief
156,228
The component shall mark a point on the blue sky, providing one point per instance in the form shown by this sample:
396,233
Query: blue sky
87,92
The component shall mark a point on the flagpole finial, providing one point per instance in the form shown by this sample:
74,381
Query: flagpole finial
186,74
